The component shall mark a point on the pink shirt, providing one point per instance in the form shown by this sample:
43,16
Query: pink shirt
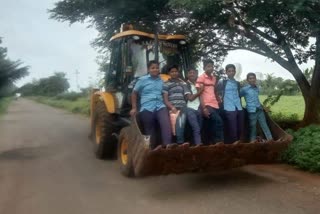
208,95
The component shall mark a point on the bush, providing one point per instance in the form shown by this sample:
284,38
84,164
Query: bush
80,106
286,121
304,151
4,103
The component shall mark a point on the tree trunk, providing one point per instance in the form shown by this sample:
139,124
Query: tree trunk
312,112
312,100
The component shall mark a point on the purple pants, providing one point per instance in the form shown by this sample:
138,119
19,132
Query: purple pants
234,123
150,119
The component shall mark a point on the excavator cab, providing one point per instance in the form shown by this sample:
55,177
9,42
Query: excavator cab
115,134
131,51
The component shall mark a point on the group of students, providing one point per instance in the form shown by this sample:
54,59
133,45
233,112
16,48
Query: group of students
197,100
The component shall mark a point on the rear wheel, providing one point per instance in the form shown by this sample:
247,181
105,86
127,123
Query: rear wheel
125,155
105,143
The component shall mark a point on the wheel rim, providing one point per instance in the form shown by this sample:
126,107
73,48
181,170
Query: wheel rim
124,152
98,133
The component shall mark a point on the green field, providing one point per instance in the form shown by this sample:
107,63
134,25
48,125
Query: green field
288,105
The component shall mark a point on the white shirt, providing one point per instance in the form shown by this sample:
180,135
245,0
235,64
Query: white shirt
196,102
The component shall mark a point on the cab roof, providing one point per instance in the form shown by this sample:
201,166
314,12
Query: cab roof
149,35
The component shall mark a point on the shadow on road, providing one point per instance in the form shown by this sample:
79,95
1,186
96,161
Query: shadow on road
206,184
29,153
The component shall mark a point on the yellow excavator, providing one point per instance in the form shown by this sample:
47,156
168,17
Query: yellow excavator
115,134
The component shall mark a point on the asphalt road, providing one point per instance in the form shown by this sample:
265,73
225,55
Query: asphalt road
47,166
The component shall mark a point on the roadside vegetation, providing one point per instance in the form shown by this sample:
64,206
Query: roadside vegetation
10,71
4,103
70,102
304,151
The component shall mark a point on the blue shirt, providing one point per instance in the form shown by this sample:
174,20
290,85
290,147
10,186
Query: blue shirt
150,92
231,98
251,95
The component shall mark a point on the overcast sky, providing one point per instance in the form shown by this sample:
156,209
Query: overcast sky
48,46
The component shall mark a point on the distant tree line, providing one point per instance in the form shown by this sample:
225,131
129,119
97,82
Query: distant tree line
49,86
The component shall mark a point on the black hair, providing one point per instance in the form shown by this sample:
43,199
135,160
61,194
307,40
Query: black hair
192,69
230,66
172,67
151,62
206,62
251,74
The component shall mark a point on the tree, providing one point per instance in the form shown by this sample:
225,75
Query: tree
10,71
277,29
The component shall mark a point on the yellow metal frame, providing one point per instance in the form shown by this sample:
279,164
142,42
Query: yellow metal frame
149,35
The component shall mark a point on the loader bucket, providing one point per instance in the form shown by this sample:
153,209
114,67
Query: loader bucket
210,158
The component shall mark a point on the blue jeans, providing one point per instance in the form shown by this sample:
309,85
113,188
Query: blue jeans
195,120
180,125
215,125
261,118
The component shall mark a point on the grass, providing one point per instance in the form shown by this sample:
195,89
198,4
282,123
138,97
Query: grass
78,106
4,103
288,105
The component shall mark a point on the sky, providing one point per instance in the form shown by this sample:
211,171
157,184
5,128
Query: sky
48,46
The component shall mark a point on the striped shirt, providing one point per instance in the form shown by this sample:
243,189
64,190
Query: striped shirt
176,91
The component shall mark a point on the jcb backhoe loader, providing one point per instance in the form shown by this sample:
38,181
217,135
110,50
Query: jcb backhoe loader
114,133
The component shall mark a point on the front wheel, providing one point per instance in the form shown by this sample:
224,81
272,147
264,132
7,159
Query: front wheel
125,154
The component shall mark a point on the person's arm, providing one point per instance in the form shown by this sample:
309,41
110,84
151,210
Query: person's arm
167,103
200,88
134,98
219,90
192,97
203,107
217,95
242,92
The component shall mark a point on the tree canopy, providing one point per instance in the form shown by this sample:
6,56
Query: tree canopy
286,31
108,15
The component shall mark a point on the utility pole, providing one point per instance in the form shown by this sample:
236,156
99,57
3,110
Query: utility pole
77,79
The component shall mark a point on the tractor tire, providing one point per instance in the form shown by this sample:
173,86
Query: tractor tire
125,158
105,143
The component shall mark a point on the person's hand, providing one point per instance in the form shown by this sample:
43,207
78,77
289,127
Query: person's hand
266,109
174,110
206,112
133,112
201,89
